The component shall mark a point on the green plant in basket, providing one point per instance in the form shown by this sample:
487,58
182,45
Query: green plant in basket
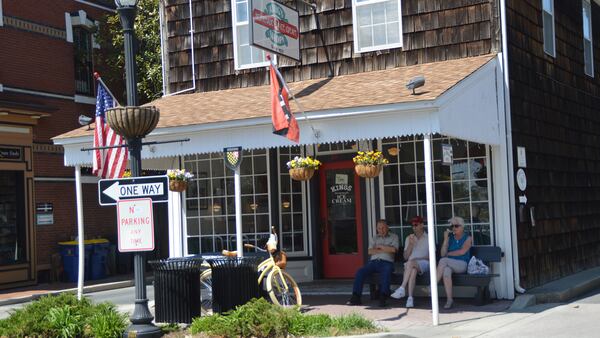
304,162
373,157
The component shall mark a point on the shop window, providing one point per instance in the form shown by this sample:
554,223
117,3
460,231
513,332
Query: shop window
548,27
588,47
292,218
12,218
82,48
210,202
460,189
244,54
377,24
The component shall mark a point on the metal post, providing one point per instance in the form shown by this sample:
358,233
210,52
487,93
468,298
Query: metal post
80,235
238,213
141,319
430,230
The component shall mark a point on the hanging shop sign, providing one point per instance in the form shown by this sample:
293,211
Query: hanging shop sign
10,154
136,225
275,28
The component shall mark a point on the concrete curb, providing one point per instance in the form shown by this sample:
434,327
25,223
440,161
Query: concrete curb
560,291
86,289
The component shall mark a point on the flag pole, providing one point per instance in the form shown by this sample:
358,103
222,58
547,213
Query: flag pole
99,79
315,132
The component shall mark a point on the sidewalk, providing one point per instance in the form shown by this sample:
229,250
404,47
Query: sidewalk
26,294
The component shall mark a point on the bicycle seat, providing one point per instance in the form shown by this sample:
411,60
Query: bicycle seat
228,253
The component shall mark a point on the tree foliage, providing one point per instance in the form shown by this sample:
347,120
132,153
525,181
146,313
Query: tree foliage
111,58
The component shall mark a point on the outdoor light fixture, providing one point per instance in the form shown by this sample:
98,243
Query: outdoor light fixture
393,151
126,3
216,207
253,206
285,204
415,82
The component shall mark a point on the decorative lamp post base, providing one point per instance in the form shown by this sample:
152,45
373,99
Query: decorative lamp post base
142,330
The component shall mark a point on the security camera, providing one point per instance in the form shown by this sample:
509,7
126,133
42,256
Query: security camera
84,120
415,82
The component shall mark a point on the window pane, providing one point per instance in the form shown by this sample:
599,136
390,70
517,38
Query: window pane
193,245
261,185
206,226
392,215
409,193
378,11
481,213
547,5
192,227
218,169
244,57
241,11
390,174
407,152
391,195
379,37
257,55
364,16
365,37
407,173
479,191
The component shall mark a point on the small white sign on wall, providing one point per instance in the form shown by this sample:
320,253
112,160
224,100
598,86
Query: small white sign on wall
521,158
135,225
447,154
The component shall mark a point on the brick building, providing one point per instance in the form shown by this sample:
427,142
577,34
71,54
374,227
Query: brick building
45,84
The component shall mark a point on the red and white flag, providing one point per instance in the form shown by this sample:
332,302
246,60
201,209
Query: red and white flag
284,122
108,163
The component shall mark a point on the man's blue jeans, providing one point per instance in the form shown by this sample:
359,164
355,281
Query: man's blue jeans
383,267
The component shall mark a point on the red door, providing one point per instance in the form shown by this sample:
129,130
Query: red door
341,227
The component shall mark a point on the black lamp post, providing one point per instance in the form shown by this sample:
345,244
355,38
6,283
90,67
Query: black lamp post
141,319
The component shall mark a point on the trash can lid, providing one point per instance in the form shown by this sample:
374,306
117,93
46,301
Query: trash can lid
86,242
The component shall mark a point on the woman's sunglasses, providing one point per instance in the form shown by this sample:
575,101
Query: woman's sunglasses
455,225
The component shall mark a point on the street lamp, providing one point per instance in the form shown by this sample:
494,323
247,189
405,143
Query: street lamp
134,129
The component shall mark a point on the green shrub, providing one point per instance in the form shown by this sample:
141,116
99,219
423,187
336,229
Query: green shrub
261,319
107,322
63,316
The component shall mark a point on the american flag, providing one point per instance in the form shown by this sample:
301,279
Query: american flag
108,163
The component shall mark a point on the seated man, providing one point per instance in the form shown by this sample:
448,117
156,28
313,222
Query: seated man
416,253
382,249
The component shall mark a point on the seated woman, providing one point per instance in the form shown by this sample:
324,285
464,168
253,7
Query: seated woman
456,253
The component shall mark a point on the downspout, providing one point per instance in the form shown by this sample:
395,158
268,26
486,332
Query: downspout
509,151
162,54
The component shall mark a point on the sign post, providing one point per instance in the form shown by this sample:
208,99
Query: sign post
233,159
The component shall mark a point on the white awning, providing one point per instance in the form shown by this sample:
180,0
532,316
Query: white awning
468,110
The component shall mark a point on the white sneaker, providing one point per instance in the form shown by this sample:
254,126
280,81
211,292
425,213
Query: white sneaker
399,293
410,302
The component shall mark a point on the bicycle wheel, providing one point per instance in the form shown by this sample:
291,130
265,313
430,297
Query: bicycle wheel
206,293
283,291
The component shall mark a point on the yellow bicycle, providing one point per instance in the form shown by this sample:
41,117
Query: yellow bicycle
279,285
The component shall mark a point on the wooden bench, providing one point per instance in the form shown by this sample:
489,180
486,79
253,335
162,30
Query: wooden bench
488,254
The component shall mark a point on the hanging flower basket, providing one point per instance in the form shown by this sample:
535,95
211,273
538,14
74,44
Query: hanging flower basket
368,164
178,179
177,186
302,174
303,168
367,170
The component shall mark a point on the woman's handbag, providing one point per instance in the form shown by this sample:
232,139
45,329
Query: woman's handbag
477,267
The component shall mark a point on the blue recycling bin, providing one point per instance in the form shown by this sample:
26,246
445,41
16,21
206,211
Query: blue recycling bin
96,251
98,262
70,257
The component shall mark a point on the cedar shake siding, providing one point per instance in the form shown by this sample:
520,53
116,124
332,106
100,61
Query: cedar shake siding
556,116
433,30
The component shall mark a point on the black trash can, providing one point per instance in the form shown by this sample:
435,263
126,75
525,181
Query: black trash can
234,282
176,289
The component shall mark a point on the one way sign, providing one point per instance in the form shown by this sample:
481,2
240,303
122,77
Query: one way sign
153,187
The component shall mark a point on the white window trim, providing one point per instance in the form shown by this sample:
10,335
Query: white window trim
357,49
1,15
553,54
234,25
305,214
85,99
587,3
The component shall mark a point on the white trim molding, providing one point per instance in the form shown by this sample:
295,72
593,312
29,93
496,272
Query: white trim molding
1,15
89,3
69,27
84,99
